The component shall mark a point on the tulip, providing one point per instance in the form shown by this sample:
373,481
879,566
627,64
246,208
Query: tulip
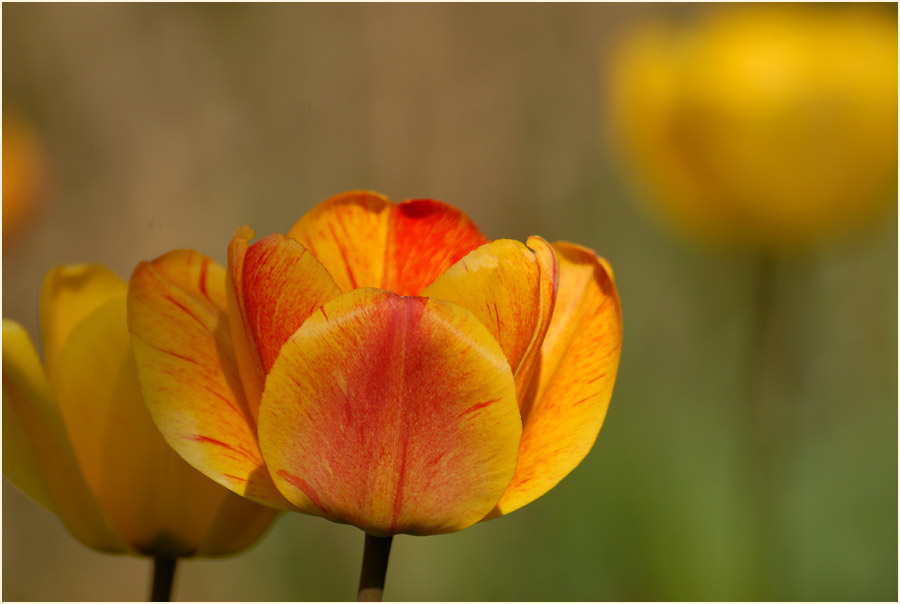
763,127
382,365
78,439
769,129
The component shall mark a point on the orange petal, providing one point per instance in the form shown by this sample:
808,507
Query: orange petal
348,233
570,393
277,283
188,373
427,238
37,454
395,414
366,241
70,293
511,290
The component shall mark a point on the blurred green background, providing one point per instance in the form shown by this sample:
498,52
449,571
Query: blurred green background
168,126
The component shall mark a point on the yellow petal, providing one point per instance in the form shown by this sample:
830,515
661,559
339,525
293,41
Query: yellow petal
68,295
511,290
366,241
395,414
275,284
570,393
37,455
188,373
20,465
237,525
156,500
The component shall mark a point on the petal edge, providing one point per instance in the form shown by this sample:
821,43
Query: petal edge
570,393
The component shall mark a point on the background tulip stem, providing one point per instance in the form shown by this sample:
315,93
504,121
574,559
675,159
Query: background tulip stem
764,426
763,344
374,568
163,578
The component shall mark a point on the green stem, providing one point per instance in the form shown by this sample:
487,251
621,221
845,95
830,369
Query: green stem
761,350
764,427
163,578
374,568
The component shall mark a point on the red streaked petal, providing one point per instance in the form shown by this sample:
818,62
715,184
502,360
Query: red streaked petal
570,393
395,414
366,241
188,373
348,233
278,284
246,354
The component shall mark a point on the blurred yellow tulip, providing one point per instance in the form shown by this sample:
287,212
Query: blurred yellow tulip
765,126
78,438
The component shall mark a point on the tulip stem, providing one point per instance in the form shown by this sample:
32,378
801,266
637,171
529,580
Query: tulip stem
163,578
374,568
764,342
764,427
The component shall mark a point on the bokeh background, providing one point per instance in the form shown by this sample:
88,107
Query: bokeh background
152,127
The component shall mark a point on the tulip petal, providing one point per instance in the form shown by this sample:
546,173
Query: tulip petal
348,233
19,463
545,256
238,524
158,503
511,290
188,373
366,241
426,238
252,374
37,455
570,393
69,293
395,414
276,283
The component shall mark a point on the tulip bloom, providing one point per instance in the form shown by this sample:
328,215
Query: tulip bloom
762,126
382,365
77,436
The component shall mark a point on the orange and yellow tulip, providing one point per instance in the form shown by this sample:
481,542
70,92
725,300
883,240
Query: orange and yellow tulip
77,436
382,365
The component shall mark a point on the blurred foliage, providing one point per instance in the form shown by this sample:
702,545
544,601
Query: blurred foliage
171,125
